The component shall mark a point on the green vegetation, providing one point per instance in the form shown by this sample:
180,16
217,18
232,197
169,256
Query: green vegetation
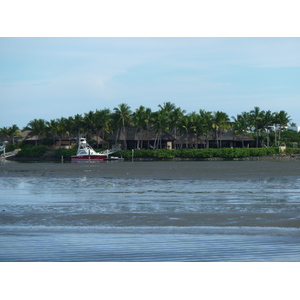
32,151
10,132
291,138
266,127
66,153
163,154
201,153
292,151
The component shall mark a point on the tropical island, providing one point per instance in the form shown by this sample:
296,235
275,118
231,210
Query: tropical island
167,133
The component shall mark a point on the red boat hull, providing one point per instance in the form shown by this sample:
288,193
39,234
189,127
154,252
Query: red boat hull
89,157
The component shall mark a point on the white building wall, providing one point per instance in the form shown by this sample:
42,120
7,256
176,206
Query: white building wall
295,128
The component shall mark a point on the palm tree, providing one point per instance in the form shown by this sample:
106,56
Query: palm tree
175,118
188,125
168,107
123,119
11,132
77,125
60,128
5,131
52,126
90,123
241,125
139,121
37,127
220,124
256,117
282,119
205,124
267,121
173,114
149,121
14,132
103,122
69,124
160,124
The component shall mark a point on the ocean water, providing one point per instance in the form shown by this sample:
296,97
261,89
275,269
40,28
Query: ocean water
150,212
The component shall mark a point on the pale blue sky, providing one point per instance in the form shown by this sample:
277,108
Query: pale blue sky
51,78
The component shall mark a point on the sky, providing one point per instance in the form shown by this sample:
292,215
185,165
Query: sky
49,78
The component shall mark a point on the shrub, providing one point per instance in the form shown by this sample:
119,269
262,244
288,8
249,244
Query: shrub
10,148
198,153
32,151
292,150
66,153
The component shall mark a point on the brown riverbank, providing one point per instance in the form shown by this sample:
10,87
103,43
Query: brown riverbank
278,157
223,170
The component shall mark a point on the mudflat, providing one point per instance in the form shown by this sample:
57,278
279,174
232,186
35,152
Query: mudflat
150,211
223,170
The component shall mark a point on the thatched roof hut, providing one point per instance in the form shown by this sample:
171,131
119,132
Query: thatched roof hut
140,139
189,140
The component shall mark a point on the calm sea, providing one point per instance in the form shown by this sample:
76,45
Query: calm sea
150,211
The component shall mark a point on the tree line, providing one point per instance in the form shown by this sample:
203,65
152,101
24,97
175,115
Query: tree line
168,117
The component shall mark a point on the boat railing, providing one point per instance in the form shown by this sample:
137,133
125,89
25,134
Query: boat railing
110,151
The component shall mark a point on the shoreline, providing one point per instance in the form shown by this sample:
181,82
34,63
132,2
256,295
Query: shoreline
279,157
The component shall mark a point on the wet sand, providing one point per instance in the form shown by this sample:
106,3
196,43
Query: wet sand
150,211
222,170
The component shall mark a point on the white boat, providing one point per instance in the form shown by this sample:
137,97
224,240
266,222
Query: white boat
86,153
